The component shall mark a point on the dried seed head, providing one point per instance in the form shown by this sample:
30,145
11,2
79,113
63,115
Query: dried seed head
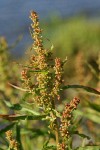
33,15
67,118
42,68
13,144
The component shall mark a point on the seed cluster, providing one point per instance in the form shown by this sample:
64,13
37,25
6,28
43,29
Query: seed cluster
12,142
66,120
43,75
62,146
38,46
58,77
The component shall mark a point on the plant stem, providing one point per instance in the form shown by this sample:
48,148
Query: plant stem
18,136
57,138
55,125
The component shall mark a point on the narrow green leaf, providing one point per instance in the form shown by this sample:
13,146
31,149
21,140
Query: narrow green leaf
8,103
94,106
18,136
81,134
30,111
16,106
19,88
45,145
92,70
86,88
90,114
22,117
8,127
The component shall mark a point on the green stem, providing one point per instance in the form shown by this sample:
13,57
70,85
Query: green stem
18,136
56,130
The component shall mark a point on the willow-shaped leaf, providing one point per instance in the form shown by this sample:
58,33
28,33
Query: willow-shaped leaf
94,106
8,127
22,117
90,114
30,111
18,136
16,106
19,88
81,135
86,88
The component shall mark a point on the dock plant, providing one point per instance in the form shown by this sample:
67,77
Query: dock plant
43,87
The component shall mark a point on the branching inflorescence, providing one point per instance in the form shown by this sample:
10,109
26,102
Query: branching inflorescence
66,122
43,77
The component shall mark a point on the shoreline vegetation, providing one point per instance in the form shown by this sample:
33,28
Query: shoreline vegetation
47,102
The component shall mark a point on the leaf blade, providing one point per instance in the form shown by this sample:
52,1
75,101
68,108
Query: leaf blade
22,117
86,88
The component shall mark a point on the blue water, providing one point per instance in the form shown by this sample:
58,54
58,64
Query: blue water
14,15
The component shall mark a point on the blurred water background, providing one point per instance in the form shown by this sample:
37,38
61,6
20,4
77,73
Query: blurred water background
14,16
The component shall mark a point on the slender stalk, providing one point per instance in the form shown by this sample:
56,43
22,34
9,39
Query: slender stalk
57,138
56,125
18,136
